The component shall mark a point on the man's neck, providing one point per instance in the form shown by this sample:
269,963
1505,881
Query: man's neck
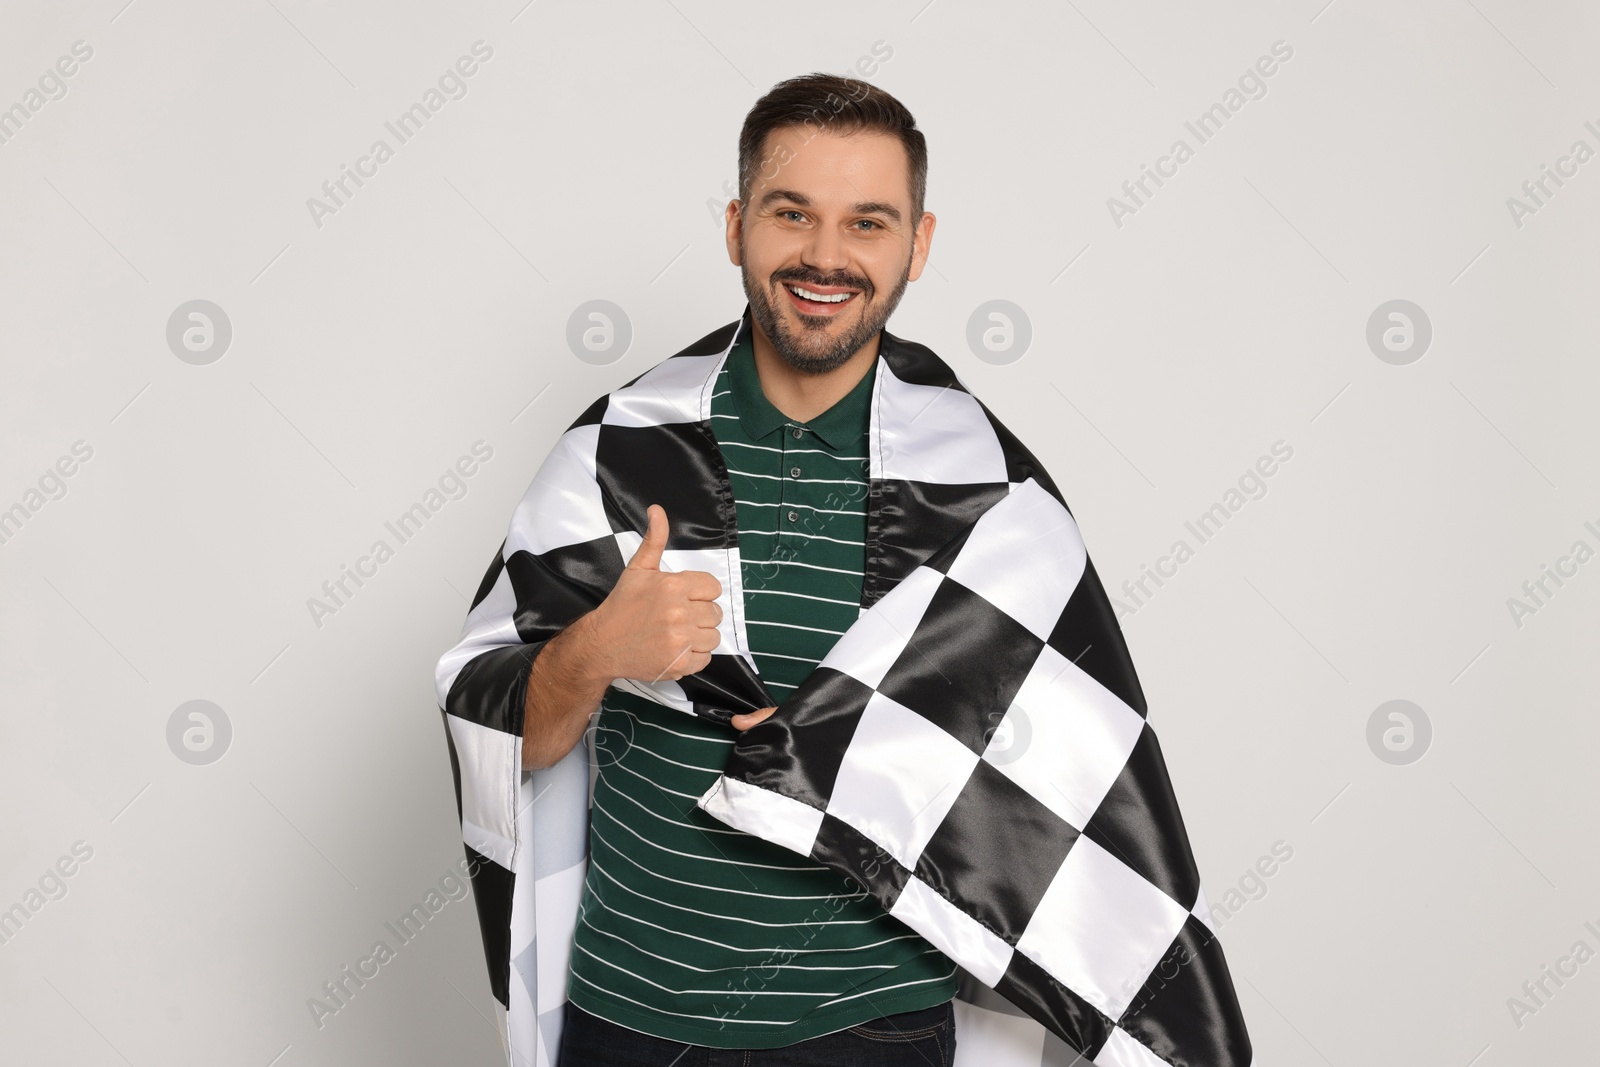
800,396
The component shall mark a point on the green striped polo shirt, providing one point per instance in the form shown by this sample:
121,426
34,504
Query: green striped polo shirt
689,929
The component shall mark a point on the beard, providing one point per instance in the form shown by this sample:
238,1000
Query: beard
811,349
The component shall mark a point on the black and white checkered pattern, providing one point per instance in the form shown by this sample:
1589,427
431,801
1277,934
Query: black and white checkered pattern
974,749
950,755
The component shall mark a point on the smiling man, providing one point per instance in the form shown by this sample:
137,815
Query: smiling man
827,234
691,934
869,738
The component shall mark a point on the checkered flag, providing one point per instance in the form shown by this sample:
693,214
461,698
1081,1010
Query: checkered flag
973,750
959,755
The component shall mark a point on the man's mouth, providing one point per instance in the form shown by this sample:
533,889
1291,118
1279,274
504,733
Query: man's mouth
820,300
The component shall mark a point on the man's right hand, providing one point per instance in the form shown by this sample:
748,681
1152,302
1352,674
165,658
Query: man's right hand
653,624
657,624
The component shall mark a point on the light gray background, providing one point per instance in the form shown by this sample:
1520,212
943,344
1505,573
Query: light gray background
1167,354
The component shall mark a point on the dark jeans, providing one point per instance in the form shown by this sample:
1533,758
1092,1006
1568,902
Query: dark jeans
923,1038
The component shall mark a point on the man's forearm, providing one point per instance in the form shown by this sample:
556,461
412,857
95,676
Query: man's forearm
567,680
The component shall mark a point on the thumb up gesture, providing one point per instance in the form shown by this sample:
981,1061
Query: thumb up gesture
656,623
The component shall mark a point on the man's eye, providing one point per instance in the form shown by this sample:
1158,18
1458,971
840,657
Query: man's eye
868,222
790,211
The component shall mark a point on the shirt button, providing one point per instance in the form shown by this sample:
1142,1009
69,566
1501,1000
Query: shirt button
794,472
794,431
794,516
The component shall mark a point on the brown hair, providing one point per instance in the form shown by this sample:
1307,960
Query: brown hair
838,104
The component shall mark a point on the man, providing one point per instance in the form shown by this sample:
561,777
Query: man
691,933
960,797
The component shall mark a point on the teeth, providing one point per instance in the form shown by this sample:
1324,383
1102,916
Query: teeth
807,294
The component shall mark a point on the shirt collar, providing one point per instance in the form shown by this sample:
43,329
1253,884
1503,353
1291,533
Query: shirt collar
838,427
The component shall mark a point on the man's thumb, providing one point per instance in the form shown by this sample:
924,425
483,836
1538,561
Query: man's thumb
648,556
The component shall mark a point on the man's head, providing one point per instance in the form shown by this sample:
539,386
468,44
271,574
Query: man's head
832,174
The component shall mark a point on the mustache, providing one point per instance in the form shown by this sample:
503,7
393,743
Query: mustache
846,282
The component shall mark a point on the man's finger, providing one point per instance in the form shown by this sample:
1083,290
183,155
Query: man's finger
702,585
648,554
748,719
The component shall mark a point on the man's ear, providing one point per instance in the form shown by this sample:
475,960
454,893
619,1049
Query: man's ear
921,242
734,220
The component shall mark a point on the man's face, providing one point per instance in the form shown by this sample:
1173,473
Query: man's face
831,215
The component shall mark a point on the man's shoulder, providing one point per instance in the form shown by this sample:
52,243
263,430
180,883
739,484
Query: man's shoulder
917,364
674,381
711,345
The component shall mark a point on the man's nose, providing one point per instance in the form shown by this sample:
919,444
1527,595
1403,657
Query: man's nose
826,251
